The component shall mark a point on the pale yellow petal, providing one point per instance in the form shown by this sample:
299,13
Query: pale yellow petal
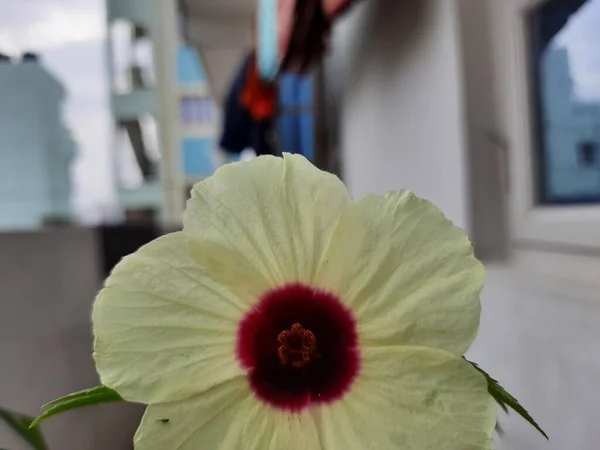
199,422
163,329
411,398
227,417
408,274
265,222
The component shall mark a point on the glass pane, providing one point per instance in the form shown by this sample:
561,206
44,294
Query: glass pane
565,36
121,32
196,110
189,66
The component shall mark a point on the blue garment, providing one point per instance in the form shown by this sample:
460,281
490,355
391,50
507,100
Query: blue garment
295,124
240,130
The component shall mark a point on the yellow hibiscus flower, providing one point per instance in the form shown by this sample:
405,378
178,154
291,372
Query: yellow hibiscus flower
286,316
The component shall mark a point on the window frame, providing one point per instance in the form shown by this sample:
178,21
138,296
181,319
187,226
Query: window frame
574,227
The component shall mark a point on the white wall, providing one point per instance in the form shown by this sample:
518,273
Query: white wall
486,146
402,121
420,110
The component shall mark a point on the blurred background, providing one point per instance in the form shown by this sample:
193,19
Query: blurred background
110,110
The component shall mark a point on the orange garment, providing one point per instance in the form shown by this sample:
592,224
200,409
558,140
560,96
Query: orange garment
258,97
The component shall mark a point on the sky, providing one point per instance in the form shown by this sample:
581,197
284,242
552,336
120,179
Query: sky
70,35
581,37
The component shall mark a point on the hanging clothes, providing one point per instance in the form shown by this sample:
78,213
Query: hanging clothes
248,113
258,96
308,37
335,8
293,35
310,32
274,22
267,39
286,10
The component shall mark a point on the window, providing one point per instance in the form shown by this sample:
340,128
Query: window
549,100
566,75
588,154
195,110
137,151
546,94
132,60
190,70
197,157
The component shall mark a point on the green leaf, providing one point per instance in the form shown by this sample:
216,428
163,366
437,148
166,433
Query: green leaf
22,425
93,396
505,400
501,405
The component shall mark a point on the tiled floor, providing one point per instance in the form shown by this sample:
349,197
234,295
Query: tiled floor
545,349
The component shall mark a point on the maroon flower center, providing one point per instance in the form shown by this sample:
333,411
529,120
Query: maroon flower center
300,346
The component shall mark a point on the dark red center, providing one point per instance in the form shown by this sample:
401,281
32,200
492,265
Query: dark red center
300,346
